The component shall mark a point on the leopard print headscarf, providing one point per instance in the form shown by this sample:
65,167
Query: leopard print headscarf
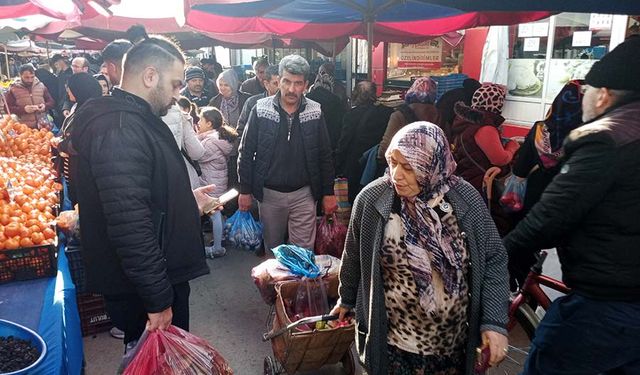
489,97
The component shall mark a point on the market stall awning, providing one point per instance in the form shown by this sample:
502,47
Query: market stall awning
577,6
328,19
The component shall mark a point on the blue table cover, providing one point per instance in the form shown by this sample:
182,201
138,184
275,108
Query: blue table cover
49,307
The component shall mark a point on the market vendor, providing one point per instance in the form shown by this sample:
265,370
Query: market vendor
28,98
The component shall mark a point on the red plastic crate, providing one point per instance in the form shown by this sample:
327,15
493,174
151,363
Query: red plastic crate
28,263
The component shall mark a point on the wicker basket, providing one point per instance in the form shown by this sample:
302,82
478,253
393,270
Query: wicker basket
305,351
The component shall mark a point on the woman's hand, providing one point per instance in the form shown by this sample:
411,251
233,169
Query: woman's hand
497,345
340,311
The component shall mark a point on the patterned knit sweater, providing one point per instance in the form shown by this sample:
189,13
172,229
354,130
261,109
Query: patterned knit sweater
362,286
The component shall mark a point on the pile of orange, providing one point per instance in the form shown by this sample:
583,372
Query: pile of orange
28,192
23,143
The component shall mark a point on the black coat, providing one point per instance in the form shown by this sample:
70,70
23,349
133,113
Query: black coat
140,222
590,210
525,161
333,111
259,137
363,128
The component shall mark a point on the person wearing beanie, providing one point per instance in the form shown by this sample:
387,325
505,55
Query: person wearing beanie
418,106
477,142
195,90
589,213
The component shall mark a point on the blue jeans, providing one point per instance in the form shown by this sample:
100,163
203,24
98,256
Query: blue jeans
216,223
585,336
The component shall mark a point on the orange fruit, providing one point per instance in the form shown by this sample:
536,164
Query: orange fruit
37,238
48,233
11,244
26,242
12,229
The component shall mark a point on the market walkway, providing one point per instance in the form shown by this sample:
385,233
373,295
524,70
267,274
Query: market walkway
227,311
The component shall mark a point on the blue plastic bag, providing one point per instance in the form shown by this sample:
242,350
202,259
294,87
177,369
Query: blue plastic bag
299,260
243,232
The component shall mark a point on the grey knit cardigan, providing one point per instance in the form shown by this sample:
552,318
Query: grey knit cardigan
361,284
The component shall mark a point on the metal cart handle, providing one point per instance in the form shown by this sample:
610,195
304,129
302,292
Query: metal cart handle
308,320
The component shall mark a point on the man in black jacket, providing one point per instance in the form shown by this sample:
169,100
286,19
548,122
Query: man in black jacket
590,213
140,221
285,160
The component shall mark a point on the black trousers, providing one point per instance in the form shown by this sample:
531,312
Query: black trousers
128,314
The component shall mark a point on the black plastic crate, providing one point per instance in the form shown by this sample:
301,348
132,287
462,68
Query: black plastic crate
28,263
76,267
93,314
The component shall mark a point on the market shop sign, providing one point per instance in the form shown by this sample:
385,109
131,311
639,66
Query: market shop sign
426,55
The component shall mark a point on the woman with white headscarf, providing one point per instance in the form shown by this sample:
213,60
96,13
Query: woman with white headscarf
230,100
423,267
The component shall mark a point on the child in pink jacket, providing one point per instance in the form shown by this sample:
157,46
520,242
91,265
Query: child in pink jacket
217,139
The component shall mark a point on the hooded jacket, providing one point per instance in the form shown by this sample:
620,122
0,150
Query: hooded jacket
214,161
477,144
140,222
589,210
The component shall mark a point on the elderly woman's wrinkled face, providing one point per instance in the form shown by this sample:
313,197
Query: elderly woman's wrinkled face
224,88
403,176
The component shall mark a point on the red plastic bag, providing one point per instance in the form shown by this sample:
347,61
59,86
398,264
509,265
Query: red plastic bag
175,351
311,299
330,237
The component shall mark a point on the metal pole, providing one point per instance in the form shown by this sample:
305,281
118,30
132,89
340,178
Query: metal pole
334,50
47,45
6,60
370,49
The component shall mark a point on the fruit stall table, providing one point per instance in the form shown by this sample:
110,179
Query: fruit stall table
33,291
48,306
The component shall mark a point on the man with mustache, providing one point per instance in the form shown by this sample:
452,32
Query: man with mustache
140,222
195,90
285,160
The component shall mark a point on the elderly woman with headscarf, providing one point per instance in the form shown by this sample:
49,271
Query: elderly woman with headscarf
423,269
332,108
418,106
230,100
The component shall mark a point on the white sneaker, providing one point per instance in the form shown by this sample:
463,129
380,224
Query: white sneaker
212,252
116,333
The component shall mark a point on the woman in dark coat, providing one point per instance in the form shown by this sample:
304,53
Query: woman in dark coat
537,160
363,127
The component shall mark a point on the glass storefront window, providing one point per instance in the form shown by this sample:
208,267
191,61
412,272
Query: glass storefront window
583,36
527,59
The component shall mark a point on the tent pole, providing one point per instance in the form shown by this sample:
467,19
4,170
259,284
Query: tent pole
334,50
47,45
6,60
370,49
